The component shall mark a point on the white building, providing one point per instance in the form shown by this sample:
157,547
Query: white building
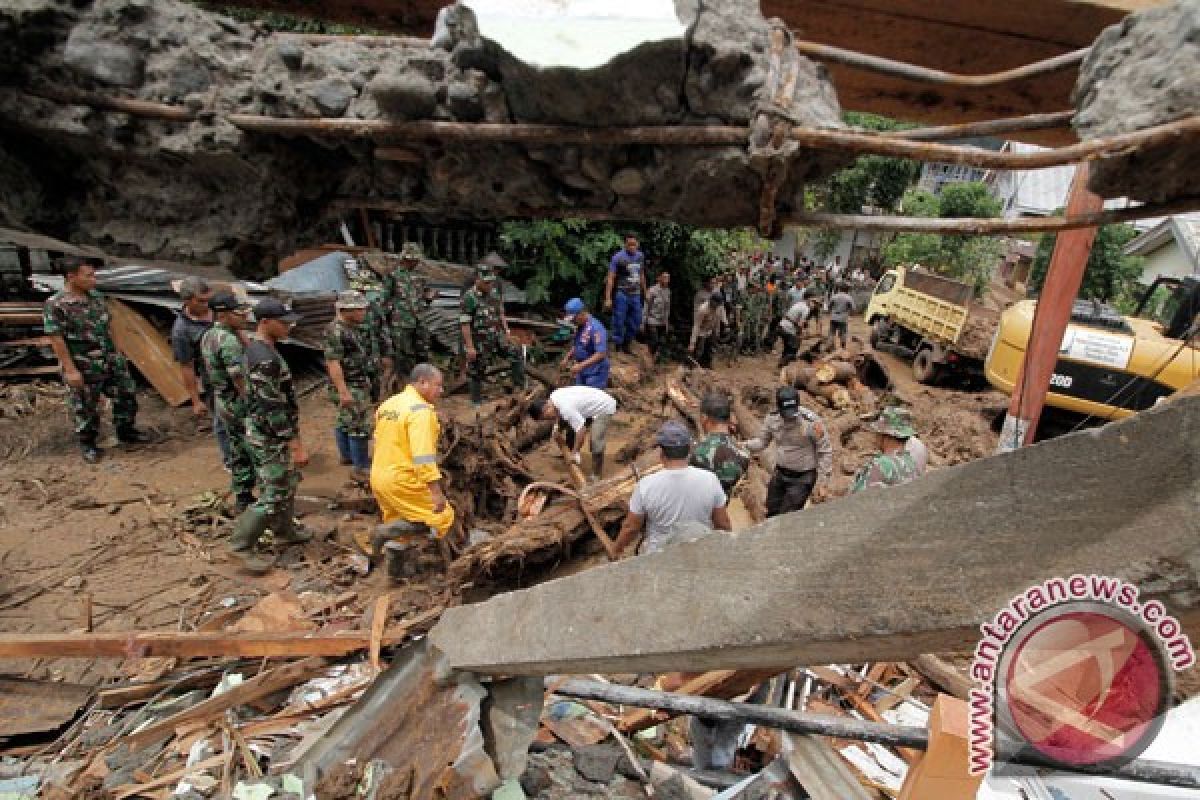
1171,248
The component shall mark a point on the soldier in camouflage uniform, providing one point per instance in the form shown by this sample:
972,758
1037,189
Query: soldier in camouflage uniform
272,431
369,281
485,333
894,464
77,322
718,452
223,350
405,301
754,316
351,361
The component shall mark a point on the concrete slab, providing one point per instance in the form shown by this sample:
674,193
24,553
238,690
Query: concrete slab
885,575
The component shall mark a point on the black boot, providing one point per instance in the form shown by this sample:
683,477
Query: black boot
91,453
243,501
475,387
597,466
131,435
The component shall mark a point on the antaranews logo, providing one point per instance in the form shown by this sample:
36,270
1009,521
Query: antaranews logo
1075,672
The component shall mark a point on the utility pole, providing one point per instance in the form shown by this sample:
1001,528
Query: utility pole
1063,277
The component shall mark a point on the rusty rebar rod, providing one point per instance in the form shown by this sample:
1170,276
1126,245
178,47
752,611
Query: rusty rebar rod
991,226
914,72
1053,120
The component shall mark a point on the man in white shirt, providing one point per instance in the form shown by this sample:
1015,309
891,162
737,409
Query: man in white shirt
583,409
677,496
792,324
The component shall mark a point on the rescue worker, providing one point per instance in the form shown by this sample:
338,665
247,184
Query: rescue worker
405,477
624,288
485,334
406,298
658,313
588,357
350,361
273,434
790,328
191,323
223,349
803,453
76,320
586,412
718,452
707,323
893,465
841,305
376,323
667,503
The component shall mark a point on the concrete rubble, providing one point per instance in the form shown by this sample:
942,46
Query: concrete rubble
237,198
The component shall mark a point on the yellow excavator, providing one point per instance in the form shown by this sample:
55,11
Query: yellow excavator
1109,365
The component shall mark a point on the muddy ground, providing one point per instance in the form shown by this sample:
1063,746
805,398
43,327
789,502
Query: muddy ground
141,536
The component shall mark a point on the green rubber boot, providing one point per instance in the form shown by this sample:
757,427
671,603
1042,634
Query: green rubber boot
285,529
249,528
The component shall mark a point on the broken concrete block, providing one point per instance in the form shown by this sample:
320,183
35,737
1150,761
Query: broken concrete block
332,96
106,62
598,762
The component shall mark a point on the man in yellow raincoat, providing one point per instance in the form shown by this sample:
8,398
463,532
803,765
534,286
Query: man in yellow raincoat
404,473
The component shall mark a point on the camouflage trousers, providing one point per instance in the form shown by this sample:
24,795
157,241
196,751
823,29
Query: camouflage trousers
241,460
84,404
358,419
276,475
411,346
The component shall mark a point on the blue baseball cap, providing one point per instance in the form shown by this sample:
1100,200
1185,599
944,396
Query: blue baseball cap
574,306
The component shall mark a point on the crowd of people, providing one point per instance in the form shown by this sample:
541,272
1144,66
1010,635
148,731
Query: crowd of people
385,390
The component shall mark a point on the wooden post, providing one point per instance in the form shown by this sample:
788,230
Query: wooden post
1063,278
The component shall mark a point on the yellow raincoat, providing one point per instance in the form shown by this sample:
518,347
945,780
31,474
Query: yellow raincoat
405,462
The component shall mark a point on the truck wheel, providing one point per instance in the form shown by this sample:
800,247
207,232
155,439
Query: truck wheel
925,369
878,332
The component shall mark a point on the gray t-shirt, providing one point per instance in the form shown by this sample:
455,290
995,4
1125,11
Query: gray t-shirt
671,496
840,307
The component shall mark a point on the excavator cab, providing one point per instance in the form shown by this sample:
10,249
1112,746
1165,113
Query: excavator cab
1173,303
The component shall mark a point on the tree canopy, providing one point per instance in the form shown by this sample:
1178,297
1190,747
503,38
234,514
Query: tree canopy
1110,276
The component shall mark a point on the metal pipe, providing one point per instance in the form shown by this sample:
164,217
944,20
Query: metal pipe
1030,122
913,72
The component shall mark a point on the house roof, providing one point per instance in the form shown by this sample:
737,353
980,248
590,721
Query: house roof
1184,228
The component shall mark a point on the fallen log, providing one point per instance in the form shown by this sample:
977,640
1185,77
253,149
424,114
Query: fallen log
685,403
549,535
835,372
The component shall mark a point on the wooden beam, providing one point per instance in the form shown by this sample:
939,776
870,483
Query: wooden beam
142,344
261,685
169,644
943,675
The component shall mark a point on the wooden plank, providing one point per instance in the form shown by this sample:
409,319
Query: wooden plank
943,675
722,684
148,350
28,706
133,644
261,685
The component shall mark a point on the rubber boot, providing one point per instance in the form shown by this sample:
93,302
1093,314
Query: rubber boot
597,466
249,528
518,371
475,387
131,435
89,450
284,526
395,530
243,501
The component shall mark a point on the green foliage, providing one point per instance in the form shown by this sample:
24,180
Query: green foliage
970,259
558,259
874,180
1110,275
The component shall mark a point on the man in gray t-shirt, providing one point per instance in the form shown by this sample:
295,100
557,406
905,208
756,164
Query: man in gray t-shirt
676,495
841,306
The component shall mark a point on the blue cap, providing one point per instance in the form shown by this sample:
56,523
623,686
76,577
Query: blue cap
673,434
574,306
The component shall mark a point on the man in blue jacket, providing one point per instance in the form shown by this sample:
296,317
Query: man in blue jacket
589,348
624,289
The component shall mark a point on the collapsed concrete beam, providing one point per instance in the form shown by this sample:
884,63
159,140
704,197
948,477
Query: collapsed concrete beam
883,575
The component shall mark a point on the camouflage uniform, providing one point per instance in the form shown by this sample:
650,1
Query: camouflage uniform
719,454
379,337
272,421
885,470
83,323
404,300
485,314
353,347
891,469
224,362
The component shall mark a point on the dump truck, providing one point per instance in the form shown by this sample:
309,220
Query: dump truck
933,318
1109,365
